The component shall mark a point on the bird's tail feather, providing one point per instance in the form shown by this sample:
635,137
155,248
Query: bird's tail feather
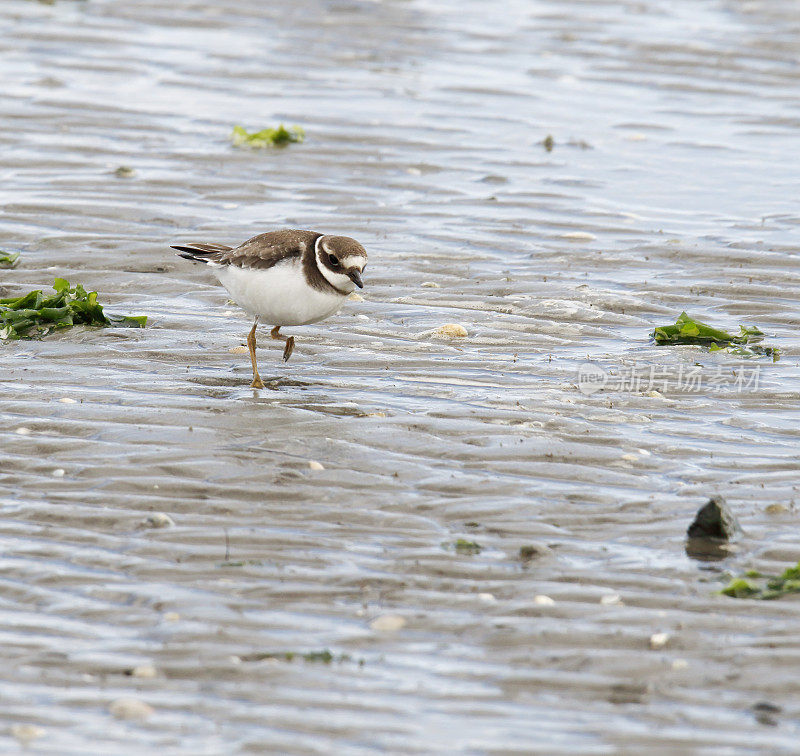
200,252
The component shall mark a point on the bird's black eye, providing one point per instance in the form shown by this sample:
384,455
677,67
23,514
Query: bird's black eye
333,260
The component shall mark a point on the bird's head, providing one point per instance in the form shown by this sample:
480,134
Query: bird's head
342,261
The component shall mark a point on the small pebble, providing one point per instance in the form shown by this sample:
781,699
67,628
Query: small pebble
125,171
487,597
611,599
776,509
67,400
130,709
314,465
542,600
26,733
388,623
144,671
680,664
158,520
23,431
58,473
430,285
655,394
658,640
451,330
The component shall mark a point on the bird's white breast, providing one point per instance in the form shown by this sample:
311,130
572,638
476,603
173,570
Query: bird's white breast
279,295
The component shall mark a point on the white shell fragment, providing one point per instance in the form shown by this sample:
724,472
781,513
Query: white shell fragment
144,671
388,623
542,600
158,520
130,709
26,733
578,236
659,640
314,465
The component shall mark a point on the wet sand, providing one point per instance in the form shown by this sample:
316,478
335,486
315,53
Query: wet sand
671,185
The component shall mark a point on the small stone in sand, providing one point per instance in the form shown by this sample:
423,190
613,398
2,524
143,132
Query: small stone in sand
611,599
68,400
542,600
158,520
714,520
130,709
451,330
124,171
314,465
430,285
776,509
388,623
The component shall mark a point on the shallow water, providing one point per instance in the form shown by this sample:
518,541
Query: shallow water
671,185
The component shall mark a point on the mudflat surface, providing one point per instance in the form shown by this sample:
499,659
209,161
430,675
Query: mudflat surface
671,184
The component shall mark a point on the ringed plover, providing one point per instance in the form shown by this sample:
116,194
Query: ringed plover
284,278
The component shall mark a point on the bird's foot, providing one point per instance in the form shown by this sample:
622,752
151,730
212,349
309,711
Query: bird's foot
275,333
288,349
257,382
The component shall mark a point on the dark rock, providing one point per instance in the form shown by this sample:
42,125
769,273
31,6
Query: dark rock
766,713
715,520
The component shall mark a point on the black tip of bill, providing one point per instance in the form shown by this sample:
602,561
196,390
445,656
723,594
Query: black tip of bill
355,277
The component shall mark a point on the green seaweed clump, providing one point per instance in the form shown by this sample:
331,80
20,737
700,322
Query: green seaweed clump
266,137
774,587
463,546
318,657
687,330
35,314
8,259
740,588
